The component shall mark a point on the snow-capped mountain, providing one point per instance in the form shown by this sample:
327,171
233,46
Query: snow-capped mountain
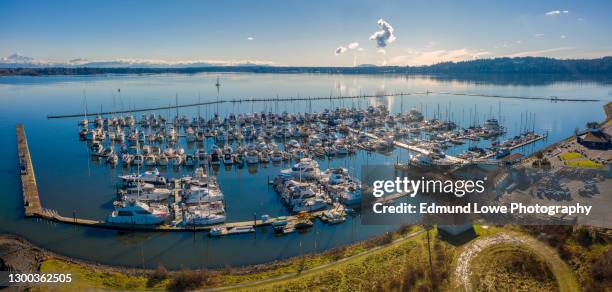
19,61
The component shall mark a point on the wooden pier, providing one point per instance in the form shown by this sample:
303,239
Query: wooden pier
31,200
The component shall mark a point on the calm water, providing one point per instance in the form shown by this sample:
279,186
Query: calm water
69,181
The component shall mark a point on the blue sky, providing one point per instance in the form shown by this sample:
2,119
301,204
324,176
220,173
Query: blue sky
304,32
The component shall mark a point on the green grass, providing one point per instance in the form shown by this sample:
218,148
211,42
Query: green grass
570,155
507,267
86,278
399,266
584,163
387,265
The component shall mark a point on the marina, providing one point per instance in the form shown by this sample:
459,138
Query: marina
76,179
151,202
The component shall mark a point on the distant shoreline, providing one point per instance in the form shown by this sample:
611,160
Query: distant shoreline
502,66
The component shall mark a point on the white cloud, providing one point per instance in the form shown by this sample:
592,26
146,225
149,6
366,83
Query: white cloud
340,50
416,58
250,38
556,12
360,49
519,42
381,51
538,52
563,36
353,45
384,36
538,35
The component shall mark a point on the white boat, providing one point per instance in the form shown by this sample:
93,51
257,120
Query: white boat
426,161
241,229
310,205
150,160
352,196
201,219
163,160
153,177
96,149
113,159
334,216
137,213
228,158
177,160
217,231
202,194
276,156
155,195
252,157
138,160
307,169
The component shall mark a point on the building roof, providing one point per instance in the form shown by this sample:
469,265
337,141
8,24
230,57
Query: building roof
596,136
512,157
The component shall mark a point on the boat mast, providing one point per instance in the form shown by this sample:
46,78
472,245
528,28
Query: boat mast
85,103
218,85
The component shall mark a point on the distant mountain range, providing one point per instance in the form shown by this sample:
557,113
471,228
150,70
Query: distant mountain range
20,61
20,65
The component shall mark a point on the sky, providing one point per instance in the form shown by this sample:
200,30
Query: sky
304,33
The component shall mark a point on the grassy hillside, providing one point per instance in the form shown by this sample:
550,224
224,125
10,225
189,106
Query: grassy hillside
397,261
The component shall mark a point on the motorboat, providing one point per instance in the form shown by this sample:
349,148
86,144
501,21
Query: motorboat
137,213
307,169
153,177
138,160
154,195
252,157
228,158
203,219
215,158
310,205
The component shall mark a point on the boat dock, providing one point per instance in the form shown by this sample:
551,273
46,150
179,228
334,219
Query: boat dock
52,215
33,207
410,147
31,200
533,140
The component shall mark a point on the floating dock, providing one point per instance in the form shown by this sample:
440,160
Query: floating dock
293,99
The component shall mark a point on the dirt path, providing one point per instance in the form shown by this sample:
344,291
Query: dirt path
564,275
